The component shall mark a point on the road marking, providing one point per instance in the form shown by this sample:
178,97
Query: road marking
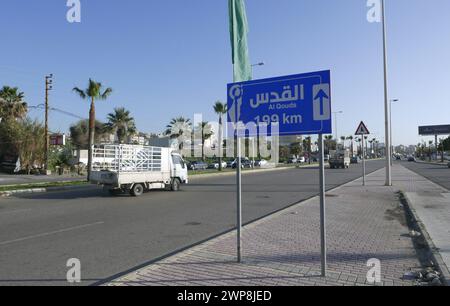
51,233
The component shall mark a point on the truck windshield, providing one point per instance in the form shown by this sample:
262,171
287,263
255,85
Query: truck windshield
177,160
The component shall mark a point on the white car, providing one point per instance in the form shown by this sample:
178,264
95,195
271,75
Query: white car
216,165
301,160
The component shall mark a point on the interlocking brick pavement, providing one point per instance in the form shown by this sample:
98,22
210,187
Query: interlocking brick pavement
284,249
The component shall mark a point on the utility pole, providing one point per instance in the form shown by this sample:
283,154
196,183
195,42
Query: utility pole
48,87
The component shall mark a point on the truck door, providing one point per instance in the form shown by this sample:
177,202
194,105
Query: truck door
179,168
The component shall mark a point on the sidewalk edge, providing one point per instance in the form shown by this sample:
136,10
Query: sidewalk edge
434,254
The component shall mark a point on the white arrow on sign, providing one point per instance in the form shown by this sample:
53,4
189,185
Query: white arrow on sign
321,103
362,129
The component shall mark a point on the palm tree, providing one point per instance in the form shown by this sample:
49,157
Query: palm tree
206,132
93,92
220,109
12,105
328,140
121,123
179,128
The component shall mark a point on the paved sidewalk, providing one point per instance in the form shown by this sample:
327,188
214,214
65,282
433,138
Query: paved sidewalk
284,249
431,204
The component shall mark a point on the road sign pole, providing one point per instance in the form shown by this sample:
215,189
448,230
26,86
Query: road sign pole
239,194
364,159
323,232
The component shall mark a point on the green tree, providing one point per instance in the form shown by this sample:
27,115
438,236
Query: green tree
32,144
12,104
93,92
121,123
220,109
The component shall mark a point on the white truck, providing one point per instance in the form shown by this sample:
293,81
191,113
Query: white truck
339,159
135,169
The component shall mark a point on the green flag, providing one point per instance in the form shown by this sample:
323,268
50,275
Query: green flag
238,31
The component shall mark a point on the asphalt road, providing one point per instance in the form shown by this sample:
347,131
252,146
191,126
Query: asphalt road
112,235
439,174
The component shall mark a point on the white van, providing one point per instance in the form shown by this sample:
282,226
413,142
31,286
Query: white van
135,169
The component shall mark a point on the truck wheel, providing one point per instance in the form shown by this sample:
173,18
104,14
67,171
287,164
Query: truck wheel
175,186
137,190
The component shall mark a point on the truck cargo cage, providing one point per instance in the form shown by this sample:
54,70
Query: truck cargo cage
126,158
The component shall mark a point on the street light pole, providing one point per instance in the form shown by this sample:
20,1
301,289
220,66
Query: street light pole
390,123
386,101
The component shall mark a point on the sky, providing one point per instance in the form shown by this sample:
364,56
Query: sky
172,58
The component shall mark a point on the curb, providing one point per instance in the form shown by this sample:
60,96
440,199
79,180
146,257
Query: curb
431,163
9,193
435,256
207,175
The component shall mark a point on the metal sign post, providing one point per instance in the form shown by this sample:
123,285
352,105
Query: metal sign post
239,194
323,225
362,131
364,159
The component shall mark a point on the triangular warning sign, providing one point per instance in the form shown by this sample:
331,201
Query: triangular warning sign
362,129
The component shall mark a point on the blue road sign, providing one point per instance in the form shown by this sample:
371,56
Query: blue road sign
296,104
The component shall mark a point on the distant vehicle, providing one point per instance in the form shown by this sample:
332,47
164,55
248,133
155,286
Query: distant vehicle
245,163
301,160
261,163
134,169
411,159
198,165
354,160
215,165
448,164
230,164
326,157
339,159
292,160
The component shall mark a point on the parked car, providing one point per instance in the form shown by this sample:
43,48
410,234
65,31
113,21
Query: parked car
261,163
354,160
292,160
198,165
411,159
215,165
245,163
301,160
448,164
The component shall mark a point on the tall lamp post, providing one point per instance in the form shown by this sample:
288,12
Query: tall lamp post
386,101
390,123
